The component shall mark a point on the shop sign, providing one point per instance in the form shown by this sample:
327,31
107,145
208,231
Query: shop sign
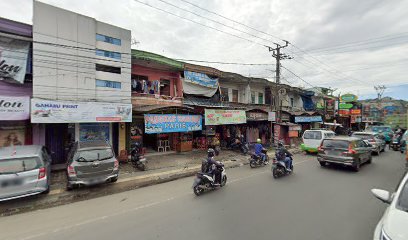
257,116
272,116
285,117
89,132
348,98
330,107
295,128
223,117
13,59
14,108
320,104
355,111
168,123
344,112
345,105
200,79
307,119
293,134
49,111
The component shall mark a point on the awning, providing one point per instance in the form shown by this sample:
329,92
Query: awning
308,119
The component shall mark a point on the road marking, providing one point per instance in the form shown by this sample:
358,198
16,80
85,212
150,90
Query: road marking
92,220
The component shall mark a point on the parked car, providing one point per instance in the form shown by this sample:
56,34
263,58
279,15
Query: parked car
403,148
346,151
375,139
91,163
386,131
24,171
312,139
394,222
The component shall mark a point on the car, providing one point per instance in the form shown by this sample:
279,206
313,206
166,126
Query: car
312,139
393,224
375,139
91,163
403,149
386,131
346,151
24,171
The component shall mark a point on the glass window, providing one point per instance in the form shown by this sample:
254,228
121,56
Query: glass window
253,97
108,84
224,94
234,95
10,166
109,54
292,102
94,154
312,135
106,68
403,198
328,143
111,40
260,98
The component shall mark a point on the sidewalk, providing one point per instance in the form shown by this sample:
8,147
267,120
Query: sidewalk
161,168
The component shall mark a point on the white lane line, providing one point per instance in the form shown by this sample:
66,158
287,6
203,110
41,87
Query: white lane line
92,220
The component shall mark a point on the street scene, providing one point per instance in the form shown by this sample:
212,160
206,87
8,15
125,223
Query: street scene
203,120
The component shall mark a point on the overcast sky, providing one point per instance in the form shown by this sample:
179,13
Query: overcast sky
344,44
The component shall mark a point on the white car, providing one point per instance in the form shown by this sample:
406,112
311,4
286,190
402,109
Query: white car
394,222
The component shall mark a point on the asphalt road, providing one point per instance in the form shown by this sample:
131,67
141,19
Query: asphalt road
313,203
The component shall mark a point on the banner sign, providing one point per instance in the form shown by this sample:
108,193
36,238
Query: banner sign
49,111
221,117
200,79
355,111
330,107
308,119
169,123
348,98
295,128
257,116
14,108
13,59
344,112
345,105
272,116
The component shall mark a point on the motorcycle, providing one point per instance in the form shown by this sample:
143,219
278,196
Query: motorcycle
279,168
137,158
395,143
204,181
241,146
256,161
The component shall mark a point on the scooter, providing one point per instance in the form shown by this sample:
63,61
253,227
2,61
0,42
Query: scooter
205,182
256,161
395,143
242,147
279,168
137,158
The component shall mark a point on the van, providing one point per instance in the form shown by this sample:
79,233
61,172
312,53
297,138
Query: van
312,139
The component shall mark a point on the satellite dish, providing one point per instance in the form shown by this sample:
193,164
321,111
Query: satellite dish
282,91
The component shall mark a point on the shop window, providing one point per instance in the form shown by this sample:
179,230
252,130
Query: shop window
108,84
165,87
253,97
260,98
139,83
224,94
234,95
106,68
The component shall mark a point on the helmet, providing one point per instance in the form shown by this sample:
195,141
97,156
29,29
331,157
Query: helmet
280,144
211,152
258,140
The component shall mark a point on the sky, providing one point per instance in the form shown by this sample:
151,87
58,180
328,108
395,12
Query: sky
347,45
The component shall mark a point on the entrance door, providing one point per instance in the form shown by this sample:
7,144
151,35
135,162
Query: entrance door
55,139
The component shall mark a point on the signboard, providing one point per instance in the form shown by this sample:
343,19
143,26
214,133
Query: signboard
276,133
49,111
223,117
293,134
345,105
295,128
355,111
257,116
14,108
272,116
344,112
89,132
348,98
320,103
308,119
13,59
200,79
285,117
169,123
330,107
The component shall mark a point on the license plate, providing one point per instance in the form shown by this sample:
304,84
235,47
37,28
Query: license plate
334,153
11,183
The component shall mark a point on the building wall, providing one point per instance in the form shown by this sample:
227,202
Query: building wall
257,89
242,93
66,70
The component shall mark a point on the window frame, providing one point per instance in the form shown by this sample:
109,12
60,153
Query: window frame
114,86
107,39
111,54
261,98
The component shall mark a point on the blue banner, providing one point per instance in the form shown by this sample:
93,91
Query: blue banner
200,79
306,119
168,123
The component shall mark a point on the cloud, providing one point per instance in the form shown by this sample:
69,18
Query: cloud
309,24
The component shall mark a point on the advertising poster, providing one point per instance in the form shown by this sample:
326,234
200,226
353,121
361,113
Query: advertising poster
13,59
221,117
12,136
89,132
14,108
49,111
170,123
200,79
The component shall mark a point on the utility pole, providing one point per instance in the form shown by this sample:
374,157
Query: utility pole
380,91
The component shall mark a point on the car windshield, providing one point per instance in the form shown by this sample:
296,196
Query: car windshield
403,198
94,154
312,135
382,129
363,136
330,143
11,166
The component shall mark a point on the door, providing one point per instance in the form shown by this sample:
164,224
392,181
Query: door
56,136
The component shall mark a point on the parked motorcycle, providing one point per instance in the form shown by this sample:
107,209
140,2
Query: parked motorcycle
137,158
256,161
205,182
241,146
279,168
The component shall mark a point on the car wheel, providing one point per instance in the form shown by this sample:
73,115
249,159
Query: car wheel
70,187
115,179
356,167
47,191
370,159
322,163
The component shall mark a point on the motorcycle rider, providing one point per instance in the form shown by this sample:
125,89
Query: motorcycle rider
258,150
284,155
210,166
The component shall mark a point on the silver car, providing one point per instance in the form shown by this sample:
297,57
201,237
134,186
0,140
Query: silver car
24,171
376,140
91,163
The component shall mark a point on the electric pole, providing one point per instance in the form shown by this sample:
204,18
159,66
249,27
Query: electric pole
380,91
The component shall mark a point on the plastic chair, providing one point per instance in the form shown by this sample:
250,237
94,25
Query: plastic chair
166,145
160,146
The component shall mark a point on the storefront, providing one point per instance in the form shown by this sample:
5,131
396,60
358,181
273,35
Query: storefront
66,122
289,133
308,122
258,126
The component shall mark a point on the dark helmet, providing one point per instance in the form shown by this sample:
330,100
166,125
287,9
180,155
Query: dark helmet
211,152
280,144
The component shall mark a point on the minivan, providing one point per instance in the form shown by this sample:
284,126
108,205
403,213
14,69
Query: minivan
312,139
91,163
